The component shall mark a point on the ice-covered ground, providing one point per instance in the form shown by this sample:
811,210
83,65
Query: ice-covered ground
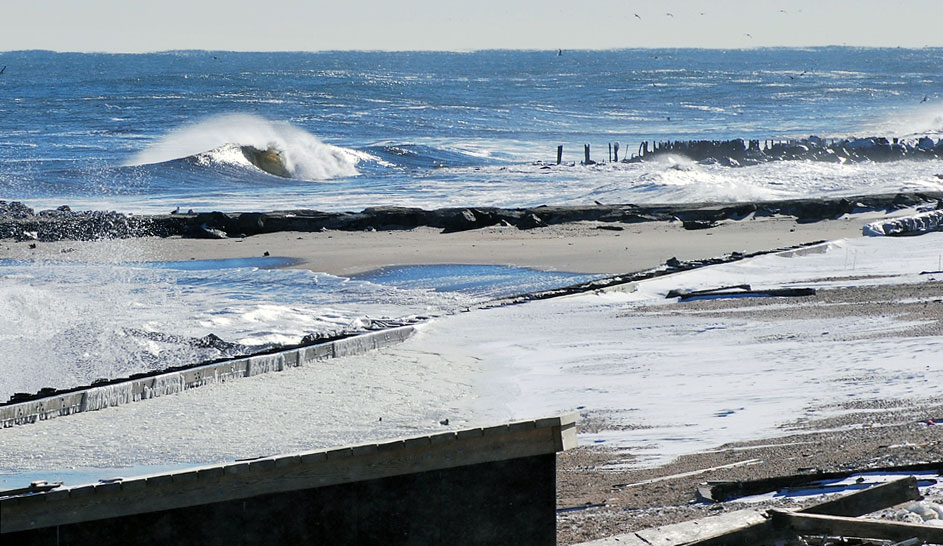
664,379
671,380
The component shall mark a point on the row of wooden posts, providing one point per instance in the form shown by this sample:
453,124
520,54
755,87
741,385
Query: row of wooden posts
613,153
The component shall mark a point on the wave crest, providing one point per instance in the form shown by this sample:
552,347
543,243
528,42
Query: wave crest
277,148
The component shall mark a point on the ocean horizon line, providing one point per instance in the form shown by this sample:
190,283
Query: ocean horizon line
473,51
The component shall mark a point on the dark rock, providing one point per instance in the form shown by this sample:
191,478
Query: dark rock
734,153
461,221
15,210
212,341
250,223
698,224
531,221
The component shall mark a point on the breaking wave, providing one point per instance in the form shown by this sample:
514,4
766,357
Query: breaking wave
247,141
922,120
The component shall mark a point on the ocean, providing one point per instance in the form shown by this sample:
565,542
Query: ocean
152,133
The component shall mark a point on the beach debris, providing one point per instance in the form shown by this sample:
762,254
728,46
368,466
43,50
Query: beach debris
725,491
740,290
827,525
843,511
40,486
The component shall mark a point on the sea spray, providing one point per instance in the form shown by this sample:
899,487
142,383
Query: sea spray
923,119
218,140
69,324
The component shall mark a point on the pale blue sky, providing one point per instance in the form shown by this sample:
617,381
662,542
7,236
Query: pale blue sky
280,25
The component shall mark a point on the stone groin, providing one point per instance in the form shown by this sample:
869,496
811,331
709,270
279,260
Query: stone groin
21,223
739,152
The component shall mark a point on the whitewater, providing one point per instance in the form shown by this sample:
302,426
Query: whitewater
153,132
340,131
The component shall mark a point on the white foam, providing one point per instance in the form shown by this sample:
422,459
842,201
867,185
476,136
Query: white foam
925,119
218,139
668,380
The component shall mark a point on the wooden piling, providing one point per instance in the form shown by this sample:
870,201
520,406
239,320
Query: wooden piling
559,154
586,159
615,151
610,152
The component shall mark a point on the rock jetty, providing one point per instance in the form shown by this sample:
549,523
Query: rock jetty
739,152
19,222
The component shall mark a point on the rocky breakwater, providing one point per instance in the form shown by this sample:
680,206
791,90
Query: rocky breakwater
21,223
738,152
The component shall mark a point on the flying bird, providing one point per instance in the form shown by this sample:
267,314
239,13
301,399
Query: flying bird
669,14
4,69
638,16
925,97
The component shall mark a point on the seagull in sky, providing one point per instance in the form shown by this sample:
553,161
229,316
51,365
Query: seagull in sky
638,16
669,14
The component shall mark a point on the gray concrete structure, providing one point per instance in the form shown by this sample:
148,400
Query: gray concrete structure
491,485
134,389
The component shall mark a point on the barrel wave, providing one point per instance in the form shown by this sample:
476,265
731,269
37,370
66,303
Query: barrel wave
251,142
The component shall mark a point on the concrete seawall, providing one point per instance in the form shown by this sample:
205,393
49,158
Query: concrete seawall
134,389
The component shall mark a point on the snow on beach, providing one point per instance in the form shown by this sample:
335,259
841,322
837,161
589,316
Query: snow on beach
673,379
655,378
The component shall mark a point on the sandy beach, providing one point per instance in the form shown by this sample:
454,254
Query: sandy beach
582,247
602,491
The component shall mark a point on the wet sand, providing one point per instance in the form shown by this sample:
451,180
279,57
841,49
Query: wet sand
580,247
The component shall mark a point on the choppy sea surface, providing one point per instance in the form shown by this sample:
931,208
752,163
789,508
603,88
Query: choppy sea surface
151,132
154,132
